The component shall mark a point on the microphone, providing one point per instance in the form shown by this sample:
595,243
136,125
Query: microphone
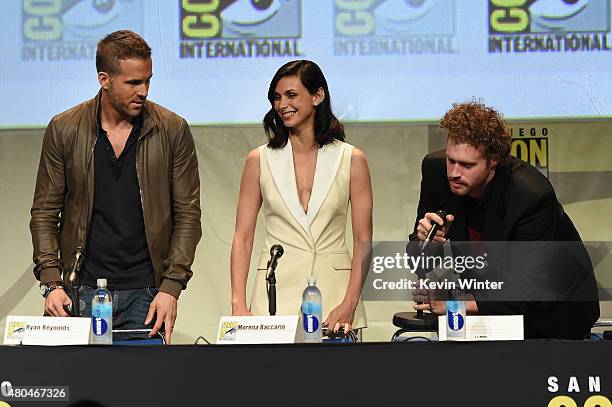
276,251
434,229
76,266
75,308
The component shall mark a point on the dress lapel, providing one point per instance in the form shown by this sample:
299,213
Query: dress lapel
280,161
329,158
281,166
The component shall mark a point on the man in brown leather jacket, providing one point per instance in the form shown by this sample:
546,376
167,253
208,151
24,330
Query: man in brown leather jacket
118,185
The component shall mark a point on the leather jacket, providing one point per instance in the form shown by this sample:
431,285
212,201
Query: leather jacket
167,170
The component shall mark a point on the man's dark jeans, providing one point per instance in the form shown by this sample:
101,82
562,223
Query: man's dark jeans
130,308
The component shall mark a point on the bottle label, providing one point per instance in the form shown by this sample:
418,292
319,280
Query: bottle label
311,323
310,311
99,326
100,315
455,320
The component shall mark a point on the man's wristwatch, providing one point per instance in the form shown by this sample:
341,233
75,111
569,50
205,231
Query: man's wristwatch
45,289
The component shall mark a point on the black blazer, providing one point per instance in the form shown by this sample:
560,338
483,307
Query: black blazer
521,205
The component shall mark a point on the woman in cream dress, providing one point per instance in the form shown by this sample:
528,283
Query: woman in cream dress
304,178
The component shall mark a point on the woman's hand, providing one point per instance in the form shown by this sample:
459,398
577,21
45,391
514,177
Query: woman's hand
341,317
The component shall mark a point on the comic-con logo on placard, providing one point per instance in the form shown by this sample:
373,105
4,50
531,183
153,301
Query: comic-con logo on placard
57,30
240,28
531,146
517,26
228,330
394,27
16,329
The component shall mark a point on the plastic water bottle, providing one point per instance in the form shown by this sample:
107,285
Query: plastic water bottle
455,320
102,315
312,307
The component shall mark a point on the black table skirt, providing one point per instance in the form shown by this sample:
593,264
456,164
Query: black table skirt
378,374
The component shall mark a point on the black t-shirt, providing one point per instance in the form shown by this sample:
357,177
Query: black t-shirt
117,246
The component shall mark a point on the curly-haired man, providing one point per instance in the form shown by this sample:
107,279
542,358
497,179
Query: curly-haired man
490,196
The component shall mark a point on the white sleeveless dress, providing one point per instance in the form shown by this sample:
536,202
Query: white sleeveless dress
313,241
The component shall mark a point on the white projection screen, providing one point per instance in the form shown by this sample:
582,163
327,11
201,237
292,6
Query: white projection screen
385,60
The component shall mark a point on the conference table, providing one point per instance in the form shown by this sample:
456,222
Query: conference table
524,373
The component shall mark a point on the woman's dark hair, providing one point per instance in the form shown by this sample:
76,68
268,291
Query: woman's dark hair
326,126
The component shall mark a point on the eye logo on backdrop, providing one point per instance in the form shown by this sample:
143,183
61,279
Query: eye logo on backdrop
549,25
394,27
57,30
240,28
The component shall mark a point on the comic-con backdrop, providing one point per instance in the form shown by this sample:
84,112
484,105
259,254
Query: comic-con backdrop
386,60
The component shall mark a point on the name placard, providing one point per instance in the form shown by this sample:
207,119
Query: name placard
257,329
487,328
37,330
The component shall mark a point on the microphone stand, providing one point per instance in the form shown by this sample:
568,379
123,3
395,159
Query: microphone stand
419,321
276,251
420,276
271,279
73,280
